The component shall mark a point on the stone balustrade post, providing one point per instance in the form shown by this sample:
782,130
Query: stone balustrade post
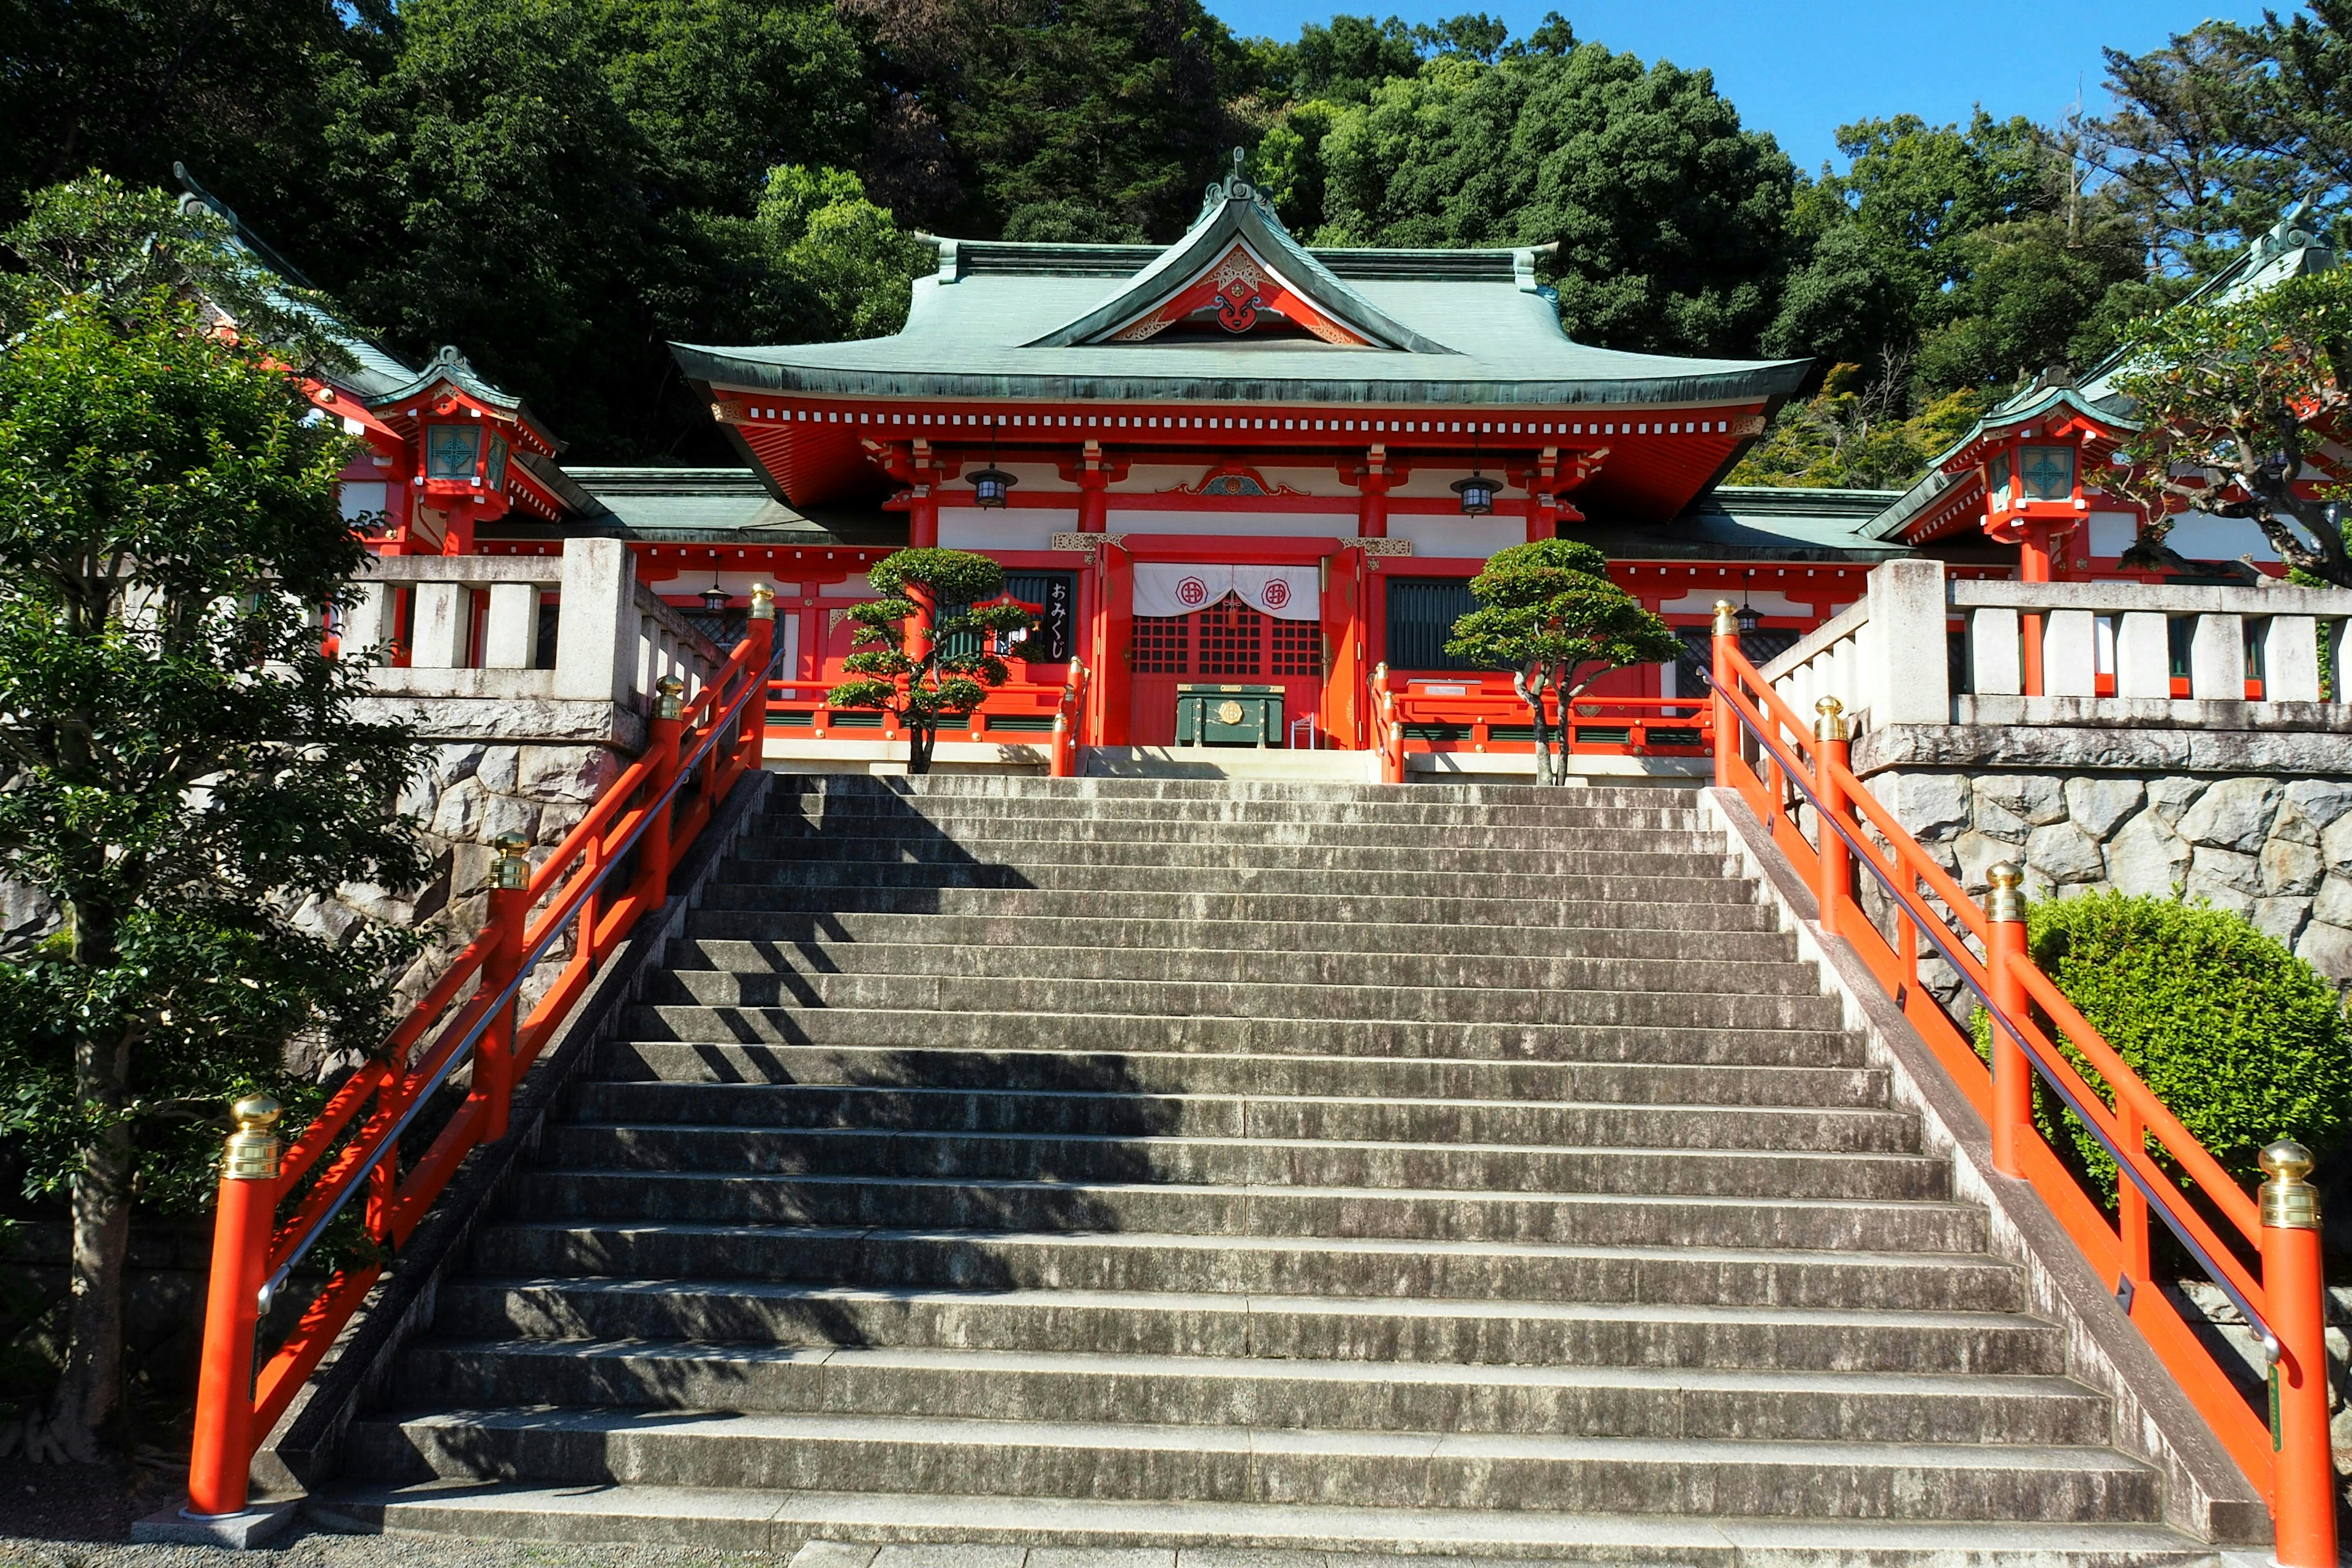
510,631
2217,660
1911,674
596,640
2144,654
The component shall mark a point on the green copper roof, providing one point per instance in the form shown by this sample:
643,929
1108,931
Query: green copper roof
1463,328
1753,523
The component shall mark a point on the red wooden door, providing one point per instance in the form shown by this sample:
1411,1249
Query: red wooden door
1226,643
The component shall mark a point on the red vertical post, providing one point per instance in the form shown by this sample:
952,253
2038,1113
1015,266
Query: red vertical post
1727,723
2012,1076
493,1054
1831,747
2302,1473
223,1451
762,630
662,745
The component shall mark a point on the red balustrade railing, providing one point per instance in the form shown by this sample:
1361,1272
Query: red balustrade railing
1009,711
696,752
2265,1257
1483,713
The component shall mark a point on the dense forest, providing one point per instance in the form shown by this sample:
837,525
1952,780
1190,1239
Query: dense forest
561,186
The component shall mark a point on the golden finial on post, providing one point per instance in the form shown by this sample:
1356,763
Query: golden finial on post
1727,618
2006,901
510,871
1832,724
253,1148
764,602
2289,1201
672,703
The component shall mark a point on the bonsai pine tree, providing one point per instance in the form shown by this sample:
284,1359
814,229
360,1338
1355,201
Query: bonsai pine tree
2236,399
924,647
1550,614
180,770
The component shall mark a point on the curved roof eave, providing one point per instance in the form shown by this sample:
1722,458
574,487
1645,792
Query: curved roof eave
1761,380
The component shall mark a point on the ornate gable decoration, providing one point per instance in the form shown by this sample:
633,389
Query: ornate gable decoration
1238,261
1232,479
1242,291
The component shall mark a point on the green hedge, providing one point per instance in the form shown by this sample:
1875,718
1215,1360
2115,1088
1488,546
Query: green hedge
2243,1041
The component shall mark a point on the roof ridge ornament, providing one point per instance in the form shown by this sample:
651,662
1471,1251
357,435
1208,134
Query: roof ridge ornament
1234,187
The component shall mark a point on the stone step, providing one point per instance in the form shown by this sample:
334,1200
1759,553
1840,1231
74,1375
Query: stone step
747,995
1626,855
1075,1459
742,885
1755,1129
1653,831
1400,1396
1035,791
1306,908
1674,810
1280,1265
1679,1067
1244,1162
851,927
1259,966
1610,1219
1002,1532
1318,1328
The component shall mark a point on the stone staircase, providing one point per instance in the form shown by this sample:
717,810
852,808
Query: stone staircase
1112,1163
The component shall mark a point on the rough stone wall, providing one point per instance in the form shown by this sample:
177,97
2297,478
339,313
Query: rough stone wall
473,792
2275,850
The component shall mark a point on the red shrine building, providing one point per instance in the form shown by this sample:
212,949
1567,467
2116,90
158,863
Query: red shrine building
1241,462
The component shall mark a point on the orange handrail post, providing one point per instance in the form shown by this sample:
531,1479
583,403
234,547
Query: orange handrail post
1726,727
2303,1490
2012,1076
662,734
1833,747
494,1057
762,630
222,1455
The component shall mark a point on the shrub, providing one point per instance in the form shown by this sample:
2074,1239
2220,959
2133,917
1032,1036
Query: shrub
2244,1042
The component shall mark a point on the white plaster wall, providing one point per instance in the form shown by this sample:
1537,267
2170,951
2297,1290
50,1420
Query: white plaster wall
1226,525
1458,537
1013,528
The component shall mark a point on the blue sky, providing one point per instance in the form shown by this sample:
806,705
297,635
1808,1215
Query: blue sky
1800,68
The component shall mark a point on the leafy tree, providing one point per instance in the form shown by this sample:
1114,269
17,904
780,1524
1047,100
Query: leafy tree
924,645
817,261
1672,221
1853,434
1550,614
2236,397
179,768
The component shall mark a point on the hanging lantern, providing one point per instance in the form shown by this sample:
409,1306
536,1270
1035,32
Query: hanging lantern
989,487
1748,619
716,598
1477,494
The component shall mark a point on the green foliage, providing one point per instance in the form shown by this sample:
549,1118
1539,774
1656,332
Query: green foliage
179,768
2234,395
923,647
2242,1041
1550,614
1854,436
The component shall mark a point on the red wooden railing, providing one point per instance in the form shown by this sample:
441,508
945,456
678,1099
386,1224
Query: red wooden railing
1483,713
2265,1257
696,751
1011,712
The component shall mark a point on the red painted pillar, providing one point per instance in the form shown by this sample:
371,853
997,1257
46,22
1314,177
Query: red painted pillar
1350,579
2012,1075
2302,1475
1727,724
242,1221
494,1053
762,630
1832,746
1372,482
2032,566
1094,485
662,734
923,518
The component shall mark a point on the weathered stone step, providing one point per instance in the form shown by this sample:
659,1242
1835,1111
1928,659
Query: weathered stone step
1671,810
1281,1265
1615,1065
1262,1465
746,995
1613,1219
745,885
1403,1396
776,963
1360,1116
1249,792
1751,1067
1321,1327
759,861
1309,1162
844,928
1632,830
1304,907
1205,1535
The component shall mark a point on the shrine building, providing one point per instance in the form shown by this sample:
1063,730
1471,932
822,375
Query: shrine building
1238,461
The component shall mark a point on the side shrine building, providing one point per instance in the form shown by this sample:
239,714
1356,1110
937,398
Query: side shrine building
1240,462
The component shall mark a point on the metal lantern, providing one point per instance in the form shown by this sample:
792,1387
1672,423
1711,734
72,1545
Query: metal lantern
716,598
989,487
1748,618
1477,494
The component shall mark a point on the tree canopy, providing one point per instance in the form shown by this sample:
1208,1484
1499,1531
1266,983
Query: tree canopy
929,647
